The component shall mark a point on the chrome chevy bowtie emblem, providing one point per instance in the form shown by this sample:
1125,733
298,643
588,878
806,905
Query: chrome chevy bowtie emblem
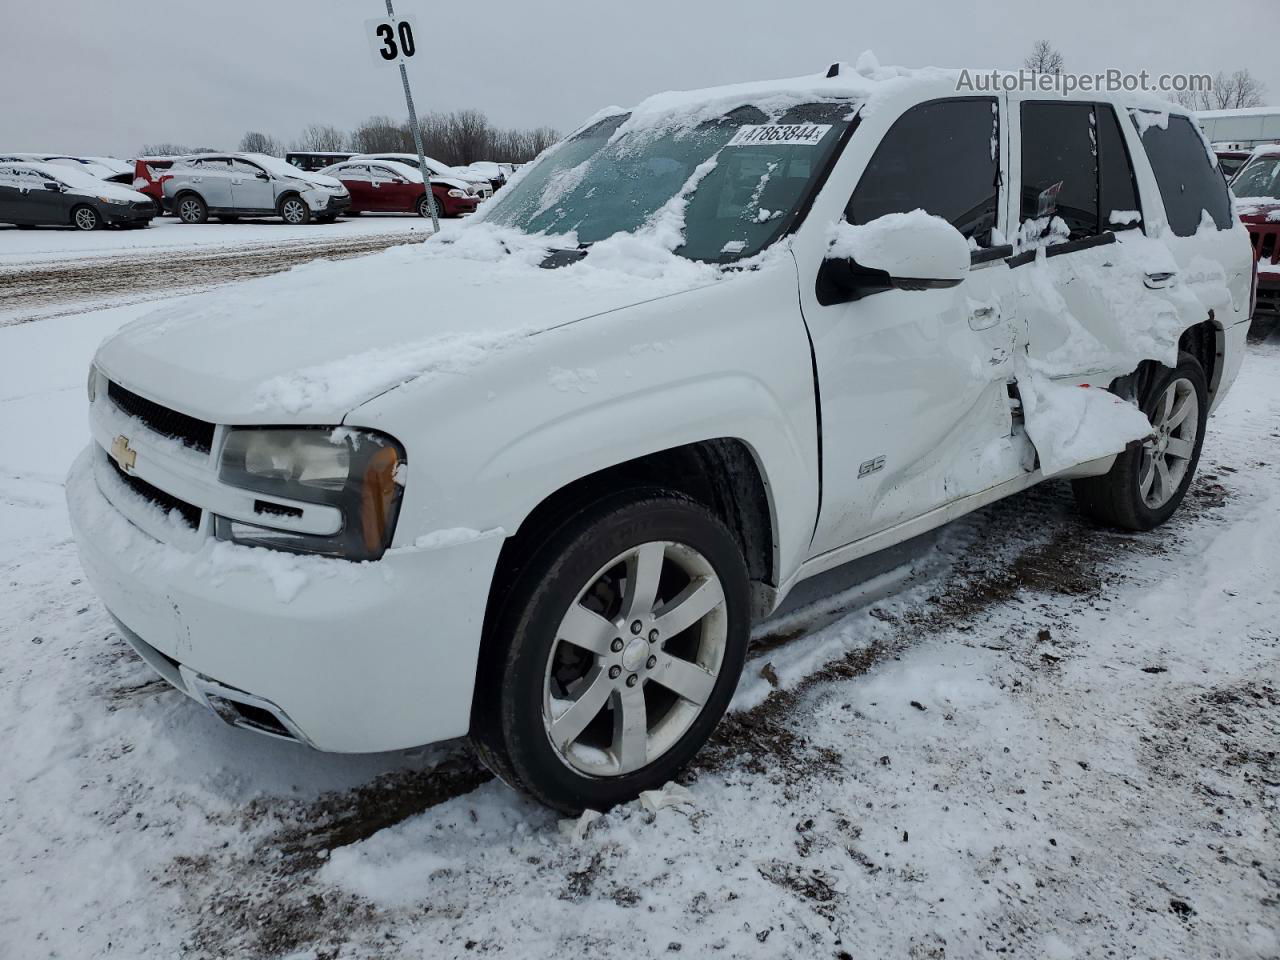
123,454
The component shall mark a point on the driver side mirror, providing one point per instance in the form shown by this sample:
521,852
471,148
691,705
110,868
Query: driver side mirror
55,187
899,251
262,175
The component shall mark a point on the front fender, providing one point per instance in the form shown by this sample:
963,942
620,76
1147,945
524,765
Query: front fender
729,360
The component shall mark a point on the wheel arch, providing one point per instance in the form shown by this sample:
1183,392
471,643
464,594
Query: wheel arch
722,474
1207,342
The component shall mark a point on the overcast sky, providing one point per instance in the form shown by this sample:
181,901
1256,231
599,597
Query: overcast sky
107,76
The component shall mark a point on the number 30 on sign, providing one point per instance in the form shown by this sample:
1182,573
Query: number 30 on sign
391,41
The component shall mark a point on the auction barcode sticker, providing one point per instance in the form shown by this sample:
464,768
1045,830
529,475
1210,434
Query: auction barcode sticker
798,134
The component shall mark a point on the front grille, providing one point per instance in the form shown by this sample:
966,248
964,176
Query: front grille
189,512
1266,244
196,434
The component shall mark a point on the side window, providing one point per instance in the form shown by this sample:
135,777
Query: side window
1117,187
942,157
1187,179
245,168
1060,165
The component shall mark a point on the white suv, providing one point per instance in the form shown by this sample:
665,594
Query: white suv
698,352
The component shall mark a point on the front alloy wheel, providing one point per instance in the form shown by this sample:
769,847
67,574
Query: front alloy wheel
86,218
615,651
629,672
295,211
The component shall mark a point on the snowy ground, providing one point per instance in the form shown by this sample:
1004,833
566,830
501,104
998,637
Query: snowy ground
1051,741
56,271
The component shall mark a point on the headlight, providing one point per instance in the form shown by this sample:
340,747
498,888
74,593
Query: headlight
113,200
457,193
357,471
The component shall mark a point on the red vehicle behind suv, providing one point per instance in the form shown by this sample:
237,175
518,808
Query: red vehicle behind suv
1257,188
387,187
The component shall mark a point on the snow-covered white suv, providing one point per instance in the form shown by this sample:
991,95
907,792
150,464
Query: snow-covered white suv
234,185
701,350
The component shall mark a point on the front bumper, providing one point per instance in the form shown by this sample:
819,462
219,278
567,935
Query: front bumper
116,215
345,657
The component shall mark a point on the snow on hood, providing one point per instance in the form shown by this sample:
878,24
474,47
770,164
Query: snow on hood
311,344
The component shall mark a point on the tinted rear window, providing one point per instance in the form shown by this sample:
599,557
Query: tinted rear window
1189,183
1060,165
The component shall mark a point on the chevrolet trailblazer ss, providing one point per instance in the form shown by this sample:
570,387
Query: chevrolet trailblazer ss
534,480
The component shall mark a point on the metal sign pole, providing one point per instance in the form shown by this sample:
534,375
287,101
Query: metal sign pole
417,137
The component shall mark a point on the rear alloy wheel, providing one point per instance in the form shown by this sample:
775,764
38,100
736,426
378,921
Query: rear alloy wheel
618,652
86,218
191,209
1150,478
295,211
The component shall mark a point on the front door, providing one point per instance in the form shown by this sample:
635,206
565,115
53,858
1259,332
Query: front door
251,187
913,384
391,192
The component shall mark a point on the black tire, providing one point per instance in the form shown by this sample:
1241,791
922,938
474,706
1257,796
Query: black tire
424,208
1116,498
327,218
508,725
293,210
190,208
84,217
352,213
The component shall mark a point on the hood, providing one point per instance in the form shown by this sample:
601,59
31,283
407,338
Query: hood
1258,210
451,182
309,345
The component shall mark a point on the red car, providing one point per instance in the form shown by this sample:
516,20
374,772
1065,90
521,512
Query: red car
387,187
148,177
1257,189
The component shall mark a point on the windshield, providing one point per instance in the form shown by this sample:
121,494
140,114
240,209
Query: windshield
753,174
1261,178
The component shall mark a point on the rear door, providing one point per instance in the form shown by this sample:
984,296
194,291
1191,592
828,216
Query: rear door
358,181
915,406
9,193
251,188
211,178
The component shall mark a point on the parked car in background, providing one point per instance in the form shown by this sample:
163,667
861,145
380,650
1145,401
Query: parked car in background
391,187
1257,189
488,170
437,169
148,177
1231,160
48,194
233,185
314,160
1248,127
381,505
92,166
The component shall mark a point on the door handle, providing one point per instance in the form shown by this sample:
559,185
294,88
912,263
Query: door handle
236,180
984,318
1160,281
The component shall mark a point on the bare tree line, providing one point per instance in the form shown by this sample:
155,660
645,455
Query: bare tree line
456,139
1230,91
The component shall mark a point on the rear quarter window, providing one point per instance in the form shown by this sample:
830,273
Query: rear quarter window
1189,182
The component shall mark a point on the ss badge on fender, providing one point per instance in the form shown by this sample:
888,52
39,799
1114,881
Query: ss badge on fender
870,466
